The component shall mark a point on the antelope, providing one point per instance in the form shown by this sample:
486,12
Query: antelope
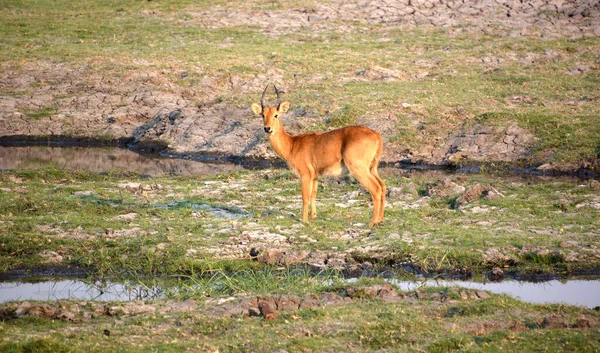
354,149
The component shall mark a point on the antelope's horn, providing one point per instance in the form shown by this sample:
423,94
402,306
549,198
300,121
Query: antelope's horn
262,98
277,92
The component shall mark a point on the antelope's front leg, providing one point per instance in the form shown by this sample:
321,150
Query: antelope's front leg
306,193
313,199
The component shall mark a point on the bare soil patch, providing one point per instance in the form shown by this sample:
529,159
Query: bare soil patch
145,106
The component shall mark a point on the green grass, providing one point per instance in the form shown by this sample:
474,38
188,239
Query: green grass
419,322
79,215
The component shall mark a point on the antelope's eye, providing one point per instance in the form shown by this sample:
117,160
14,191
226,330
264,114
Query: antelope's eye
276,116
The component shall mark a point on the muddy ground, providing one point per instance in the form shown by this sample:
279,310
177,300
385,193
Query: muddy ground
146,109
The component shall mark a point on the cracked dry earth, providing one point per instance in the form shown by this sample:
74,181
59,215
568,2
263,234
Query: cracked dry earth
545,18
146,107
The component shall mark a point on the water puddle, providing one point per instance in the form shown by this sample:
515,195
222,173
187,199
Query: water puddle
219,211
227,212
573,292
106,159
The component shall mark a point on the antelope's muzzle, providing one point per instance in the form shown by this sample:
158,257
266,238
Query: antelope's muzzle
268,129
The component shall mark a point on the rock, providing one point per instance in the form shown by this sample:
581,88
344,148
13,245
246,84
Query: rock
254,252
443,188
394,236
131,308
572,256
496,275
494,256
189,305
584,322
267,309
51,256
127,216
111,233
472,193
376,73
379,290
64,314
130,186
478,209
554,321
480,143
394,192
7,314
36,310
483,294
278,257
84,193
569,244
271,256
491,194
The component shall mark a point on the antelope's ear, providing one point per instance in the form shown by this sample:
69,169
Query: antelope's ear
256,108
284,106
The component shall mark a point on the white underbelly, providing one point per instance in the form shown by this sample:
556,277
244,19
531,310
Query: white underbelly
336,170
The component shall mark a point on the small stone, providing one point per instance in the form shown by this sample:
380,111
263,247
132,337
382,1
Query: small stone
189,305
494,256
84,193
394,236
127,216
130,186
51,256
483,294
496,275
583,322
473,193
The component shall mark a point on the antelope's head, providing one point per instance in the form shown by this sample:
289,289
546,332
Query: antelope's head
271,115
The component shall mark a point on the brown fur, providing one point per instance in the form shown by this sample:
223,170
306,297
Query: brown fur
356,149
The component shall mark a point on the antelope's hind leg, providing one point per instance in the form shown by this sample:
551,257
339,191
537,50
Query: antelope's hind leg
372,184
383,192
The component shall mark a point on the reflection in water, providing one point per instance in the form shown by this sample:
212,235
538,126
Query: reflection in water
574,292
100,160
78,290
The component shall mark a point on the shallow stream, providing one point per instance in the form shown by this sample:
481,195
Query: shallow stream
573,292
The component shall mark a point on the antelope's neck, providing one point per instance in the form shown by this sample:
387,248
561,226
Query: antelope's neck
282,143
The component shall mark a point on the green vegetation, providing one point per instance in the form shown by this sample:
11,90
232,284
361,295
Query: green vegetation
121,224
41,113
223,239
